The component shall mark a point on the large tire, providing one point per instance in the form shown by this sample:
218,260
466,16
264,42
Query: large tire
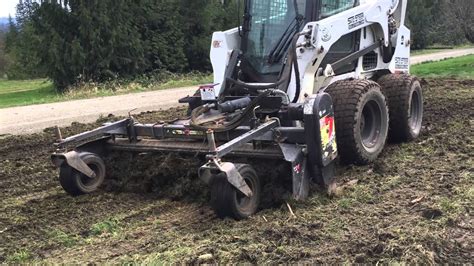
76,183
405,102
227,201
361,117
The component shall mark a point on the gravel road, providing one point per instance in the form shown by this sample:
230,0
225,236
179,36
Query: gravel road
34,118
441,55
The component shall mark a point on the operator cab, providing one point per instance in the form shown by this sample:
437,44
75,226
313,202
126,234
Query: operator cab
269,27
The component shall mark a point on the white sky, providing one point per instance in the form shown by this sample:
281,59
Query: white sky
7,7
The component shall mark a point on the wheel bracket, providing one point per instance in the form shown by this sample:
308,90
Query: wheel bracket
74,160
299,168
231,172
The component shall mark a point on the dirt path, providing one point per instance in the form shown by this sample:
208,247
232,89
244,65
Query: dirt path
34,118
441,55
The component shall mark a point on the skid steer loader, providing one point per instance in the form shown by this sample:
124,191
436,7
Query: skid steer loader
302,81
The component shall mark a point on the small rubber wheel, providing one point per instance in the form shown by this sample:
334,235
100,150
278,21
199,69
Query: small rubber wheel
361,117
76,183
227,201
405,102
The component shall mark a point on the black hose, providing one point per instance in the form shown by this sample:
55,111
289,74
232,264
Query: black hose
232,124
297,69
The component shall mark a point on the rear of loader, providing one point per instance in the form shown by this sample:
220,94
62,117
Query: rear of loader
301,81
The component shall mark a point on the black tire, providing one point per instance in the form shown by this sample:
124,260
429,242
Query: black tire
227,201
76,183
361,117
405,103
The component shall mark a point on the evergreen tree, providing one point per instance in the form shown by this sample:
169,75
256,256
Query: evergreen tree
444,28
419,22
73,41
463,13
22,43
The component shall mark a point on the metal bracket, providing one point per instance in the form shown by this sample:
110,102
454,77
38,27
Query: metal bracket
231,172
228,147
74,160
301,179
116,127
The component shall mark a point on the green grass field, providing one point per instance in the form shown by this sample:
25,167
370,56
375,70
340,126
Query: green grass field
459,68
439,48
38,91
26,92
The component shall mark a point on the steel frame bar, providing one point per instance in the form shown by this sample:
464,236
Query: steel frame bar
228,147
119,126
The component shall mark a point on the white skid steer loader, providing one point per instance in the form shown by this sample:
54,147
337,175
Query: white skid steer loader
302,81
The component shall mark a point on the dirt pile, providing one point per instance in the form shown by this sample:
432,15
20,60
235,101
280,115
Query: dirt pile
413,205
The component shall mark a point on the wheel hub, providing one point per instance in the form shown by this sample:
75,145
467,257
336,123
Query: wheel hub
415,106
243,201
370,124
90,181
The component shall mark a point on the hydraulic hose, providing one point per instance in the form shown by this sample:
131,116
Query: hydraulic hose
233,123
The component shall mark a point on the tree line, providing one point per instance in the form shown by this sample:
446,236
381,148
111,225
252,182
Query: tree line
92,40
72,41
442,22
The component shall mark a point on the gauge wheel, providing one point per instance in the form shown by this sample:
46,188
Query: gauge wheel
76,183
227,201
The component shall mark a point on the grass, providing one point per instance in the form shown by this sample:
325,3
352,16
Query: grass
62,238
109,226
38,91
26,92
439,48
461,67
19,256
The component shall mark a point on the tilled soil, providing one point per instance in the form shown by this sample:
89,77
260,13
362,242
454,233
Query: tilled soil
413,205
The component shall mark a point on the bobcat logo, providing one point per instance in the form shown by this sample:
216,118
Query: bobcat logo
217,44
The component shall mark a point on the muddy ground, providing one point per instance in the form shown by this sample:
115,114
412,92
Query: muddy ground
413,205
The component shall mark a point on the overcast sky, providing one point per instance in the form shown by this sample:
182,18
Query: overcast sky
7,7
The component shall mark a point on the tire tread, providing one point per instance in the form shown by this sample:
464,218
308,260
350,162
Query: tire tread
397,89
347,95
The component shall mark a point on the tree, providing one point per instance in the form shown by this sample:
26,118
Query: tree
419,21
21,45
448,22
444,28
4,61
463,11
